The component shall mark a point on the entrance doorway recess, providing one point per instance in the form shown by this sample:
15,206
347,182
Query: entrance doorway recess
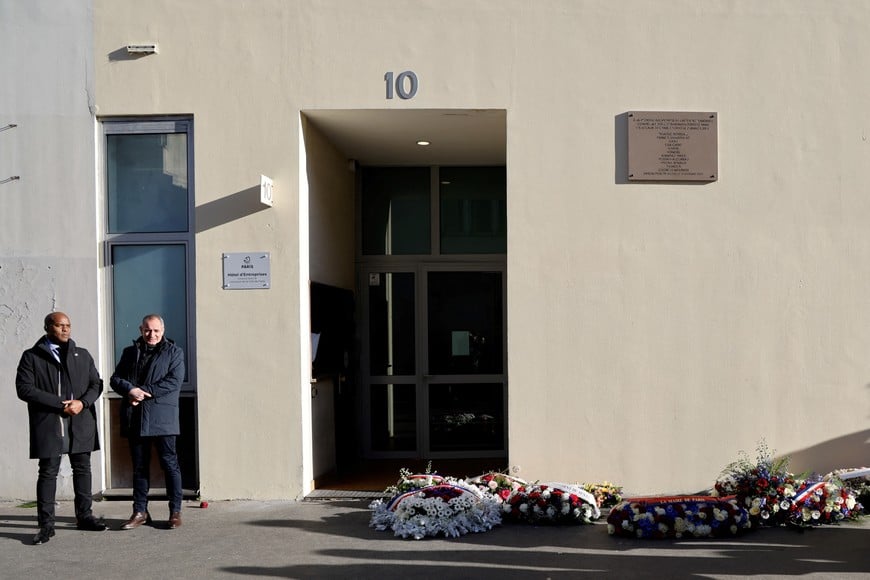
431,288
428,380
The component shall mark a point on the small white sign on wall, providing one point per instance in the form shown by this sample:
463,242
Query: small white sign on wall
246,270
266,190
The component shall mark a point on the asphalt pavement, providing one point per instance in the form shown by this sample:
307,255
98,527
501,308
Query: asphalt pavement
331,538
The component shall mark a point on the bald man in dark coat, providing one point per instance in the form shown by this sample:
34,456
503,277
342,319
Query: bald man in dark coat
60,384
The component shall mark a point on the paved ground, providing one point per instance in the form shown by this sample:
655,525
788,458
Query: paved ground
331,539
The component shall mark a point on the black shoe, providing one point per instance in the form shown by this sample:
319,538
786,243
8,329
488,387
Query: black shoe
91,524
45,534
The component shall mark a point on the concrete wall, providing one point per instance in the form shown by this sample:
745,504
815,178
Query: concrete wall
330,211
653,330
49,255
693,321
330,180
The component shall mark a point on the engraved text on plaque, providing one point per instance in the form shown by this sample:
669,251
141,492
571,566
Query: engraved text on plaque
678,146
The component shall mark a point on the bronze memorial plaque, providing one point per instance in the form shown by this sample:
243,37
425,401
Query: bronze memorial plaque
672,146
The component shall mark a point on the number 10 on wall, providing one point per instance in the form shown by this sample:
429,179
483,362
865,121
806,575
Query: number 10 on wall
405,84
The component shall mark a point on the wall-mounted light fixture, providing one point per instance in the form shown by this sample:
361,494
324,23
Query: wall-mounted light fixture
147,48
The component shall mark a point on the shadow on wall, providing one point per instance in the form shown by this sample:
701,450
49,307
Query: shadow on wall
230,208
124,54
843,452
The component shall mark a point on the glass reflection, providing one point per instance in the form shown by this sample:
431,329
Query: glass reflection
149,278
391,323
395,210
473,210
394,417
466,417
465,323
147,183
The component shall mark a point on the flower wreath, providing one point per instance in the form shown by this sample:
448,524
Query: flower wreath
821,502
857,482
763,487
747,494
553,503
443,508
678,517
775,497
499,484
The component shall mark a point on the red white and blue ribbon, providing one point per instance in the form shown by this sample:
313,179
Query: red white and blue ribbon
810,489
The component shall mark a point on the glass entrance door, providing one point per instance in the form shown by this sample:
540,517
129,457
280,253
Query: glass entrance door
434,363
431,258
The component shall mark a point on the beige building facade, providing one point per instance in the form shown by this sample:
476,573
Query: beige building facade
641,332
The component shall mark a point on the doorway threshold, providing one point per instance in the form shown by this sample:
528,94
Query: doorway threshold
330,494
126,493
373,476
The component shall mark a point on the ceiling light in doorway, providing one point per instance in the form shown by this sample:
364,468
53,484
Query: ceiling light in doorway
423,143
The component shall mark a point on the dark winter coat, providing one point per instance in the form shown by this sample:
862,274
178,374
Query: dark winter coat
159,412
38,383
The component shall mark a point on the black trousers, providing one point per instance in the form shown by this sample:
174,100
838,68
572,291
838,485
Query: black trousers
46,487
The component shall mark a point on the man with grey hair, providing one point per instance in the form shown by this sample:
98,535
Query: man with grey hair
149,377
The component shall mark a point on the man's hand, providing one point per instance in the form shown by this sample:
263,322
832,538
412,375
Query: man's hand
73,407
137,395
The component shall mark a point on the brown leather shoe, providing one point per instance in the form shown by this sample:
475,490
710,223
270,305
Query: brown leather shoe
174,520
136,520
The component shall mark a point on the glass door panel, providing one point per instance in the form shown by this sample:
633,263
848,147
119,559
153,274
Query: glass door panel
466,330
392,327
395,211
473,213
465,383
466,417
434,383
390,360
393,417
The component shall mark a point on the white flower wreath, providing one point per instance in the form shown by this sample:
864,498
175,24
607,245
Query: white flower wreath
446,508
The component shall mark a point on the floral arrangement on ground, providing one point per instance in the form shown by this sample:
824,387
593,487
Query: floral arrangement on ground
432,505
856,479
429,504
773,496
551,503
678,517
748,494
